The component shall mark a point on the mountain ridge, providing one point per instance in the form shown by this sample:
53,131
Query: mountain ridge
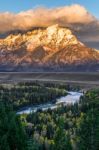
53,48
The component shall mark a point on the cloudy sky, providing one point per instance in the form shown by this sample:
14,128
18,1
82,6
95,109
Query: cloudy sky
80,15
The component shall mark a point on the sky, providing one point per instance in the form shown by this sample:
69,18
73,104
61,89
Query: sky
22,5
82,16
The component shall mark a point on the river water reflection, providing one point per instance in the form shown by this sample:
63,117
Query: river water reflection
71,98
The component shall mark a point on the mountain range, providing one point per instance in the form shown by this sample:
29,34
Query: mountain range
50,49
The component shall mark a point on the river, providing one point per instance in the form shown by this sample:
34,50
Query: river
71,98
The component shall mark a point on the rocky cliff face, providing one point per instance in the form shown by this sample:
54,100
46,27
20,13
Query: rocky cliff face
54,48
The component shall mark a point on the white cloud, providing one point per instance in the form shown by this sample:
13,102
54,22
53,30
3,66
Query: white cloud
74,16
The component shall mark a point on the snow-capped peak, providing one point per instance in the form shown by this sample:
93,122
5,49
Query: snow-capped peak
52,46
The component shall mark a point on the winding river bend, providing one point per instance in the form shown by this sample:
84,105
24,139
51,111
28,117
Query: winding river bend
71,98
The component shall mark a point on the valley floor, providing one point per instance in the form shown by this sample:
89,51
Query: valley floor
83,79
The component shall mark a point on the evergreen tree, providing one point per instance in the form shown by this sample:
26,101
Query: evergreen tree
12,135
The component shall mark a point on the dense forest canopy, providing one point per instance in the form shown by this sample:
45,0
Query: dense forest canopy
71,127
